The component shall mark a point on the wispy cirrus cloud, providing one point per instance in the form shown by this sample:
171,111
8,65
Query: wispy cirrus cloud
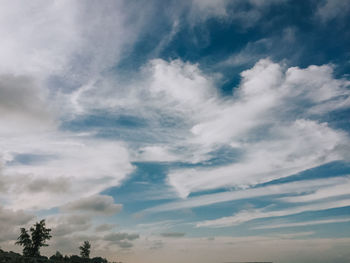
248,215
306,223
302,186
262,120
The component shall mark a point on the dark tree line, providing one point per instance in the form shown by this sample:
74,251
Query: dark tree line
33,239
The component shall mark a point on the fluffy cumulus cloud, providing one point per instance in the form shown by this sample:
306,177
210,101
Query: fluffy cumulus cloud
44,168
48,51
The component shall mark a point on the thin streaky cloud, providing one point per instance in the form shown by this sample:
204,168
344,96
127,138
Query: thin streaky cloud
248,215
309,223
276,189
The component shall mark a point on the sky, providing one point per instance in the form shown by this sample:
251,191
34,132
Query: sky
178,131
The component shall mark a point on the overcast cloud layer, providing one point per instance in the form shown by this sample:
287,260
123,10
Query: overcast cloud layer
158,127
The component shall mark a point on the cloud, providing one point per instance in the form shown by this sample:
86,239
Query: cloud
173,234
269,120
23,106
67,154
332,9
248,215
11,221
49,50
299,187
157,244
104,227
243,249
67,230
64,225
121,239
156,153
274,120
322,193
121,236
97,204
243,13
307,223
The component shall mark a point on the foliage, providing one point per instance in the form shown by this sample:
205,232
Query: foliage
57,257
85,249
37,238
25,241
32,244
11,257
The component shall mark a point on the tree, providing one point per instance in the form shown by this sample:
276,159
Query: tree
25,241
32,244
57,257
85,249
39,236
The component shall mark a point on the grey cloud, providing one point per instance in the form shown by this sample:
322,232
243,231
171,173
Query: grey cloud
66,229
157,244
78,219
11,221
101,204
22,100
332,9
15,217
120,236
68,244
173,234
69,224
104,227
121,239
58,185
26,184
3,182
245,13
124,244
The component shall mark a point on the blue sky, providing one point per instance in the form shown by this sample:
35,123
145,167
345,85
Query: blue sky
166,131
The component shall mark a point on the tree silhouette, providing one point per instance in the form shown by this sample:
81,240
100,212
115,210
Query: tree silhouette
32,244
85,249
39,236
25,241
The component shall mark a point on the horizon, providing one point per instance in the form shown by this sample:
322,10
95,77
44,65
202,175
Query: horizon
166,131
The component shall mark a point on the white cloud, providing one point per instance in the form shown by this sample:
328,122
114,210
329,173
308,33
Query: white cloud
49,49
270,190
268,120
325,192
301,146
248,215
37,37
272,119
306,223
84,167
156,153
